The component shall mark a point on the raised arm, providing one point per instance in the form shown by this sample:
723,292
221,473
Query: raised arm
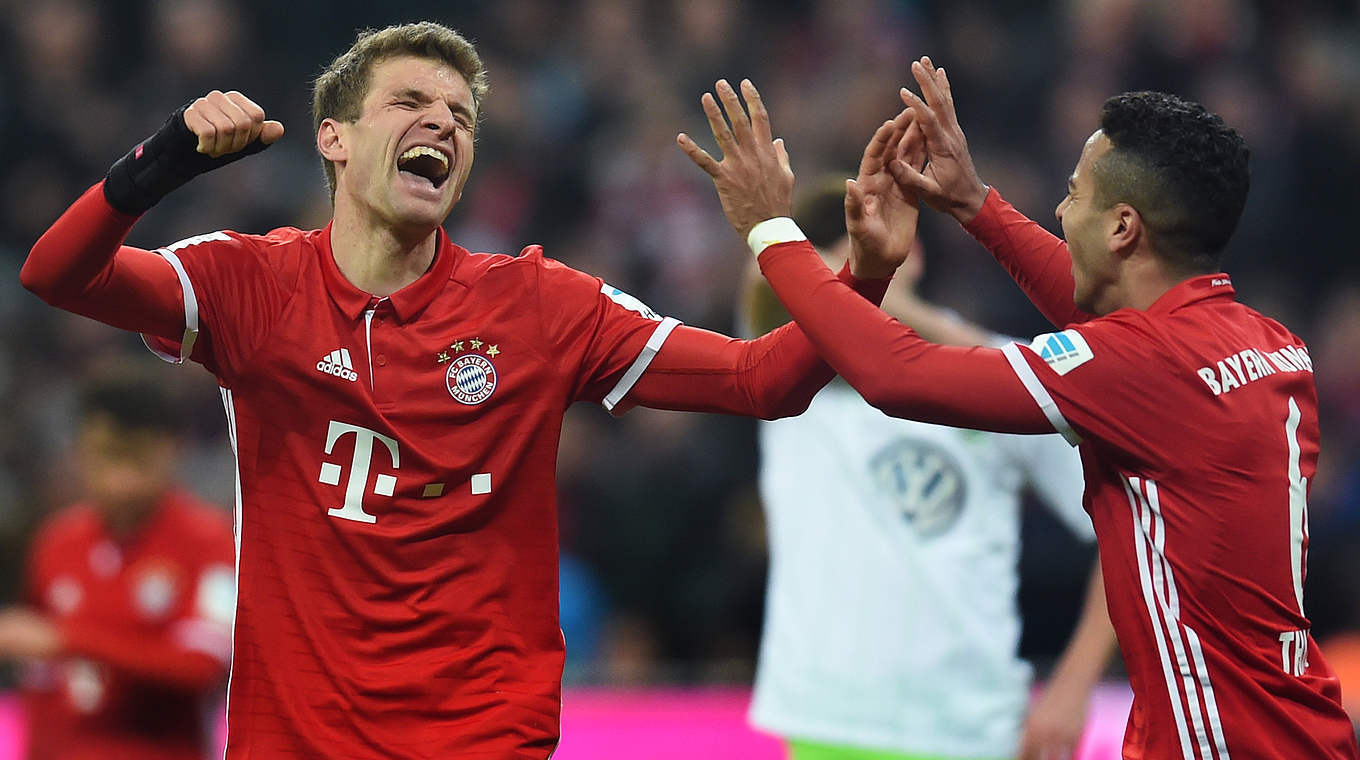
891,366
80,264
1036,259
778,374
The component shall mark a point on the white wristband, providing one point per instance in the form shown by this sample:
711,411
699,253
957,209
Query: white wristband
780,229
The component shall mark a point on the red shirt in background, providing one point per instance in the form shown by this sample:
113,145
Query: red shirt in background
146,620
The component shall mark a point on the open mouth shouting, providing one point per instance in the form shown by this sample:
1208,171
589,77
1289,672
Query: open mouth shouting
427,163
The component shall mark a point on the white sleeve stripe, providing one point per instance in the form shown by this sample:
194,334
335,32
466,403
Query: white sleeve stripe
1040,394
186,344
640,364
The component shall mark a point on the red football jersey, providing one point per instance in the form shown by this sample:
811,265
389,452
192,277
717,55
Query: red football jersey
1197,421
147,622
1199,436
397,548
396,461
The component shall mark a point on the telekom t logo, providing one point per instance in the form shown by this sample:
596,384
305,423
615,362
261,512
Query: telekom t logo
383,484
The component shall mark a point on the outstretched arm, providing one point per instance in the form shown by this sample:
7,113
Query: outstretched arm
80,264
773,376
891,366
1057,719
1037,260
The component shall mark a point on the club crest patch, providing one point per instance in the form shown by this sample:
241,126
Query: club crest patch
471,377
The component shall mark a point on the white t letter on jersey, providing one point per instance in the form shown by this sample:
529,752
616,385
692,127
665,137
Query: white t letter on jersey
359,468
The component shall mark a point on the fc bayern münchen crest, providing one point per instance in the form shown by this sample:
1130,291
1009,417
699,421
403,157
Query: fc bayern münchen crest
471,379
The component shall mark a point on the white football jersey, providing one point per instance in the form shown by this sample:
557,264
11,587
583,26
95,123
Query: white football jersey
891,618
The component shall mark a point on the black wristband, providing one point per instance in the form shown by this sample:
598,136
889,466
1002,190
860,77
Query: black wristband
161,163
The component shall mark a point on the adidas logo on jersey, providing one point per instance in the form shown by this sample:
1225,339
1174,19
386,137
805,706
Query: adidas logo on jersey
338,363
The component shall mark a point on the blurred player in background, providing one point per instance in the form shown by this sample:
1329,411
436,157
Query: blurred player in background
1196,416
891,629
125,636
395,402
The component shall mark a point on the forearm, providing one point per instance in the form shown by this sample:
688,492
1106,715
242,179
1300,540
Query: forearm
159,659
773,376
80,264
1093,642
1037,260
889,364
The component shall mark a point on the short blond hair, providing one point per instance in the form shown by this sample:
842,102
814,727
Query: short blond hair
339,91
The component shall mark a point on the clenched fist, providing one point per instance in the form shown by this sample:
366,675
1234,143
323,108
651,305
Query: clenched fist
226,122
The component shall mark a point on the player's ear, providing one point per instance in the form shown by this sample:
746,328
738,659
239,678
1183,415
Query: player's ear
330,141
1125,229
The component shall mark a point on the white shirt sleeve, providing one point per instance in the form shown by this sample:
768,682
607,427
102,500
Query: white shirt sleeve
1052,468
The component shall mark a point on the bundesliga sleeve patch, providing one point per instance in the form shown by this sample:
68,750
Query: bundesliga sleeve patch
1064,351
628,302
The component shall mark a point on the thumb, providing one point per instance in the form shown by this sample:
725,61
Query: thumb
272,131
854,201
782,154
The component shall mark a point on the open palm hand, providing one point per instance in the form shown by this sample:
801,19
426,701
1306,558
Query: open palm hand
880,215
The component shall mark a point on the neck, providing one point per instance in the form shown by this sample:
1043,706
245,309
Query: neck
1145,279
376,257
124,520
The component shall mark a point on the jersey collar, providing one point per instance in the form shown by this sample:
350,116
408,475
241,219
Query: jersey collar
1201,288
407,302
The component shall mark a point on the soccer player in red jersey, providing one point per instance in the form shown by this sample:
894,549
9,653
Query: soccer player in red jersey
126,630
395,402
1196,417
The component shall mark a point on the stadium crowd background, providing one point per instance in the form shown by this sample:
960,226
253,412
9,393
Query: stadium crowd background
661,529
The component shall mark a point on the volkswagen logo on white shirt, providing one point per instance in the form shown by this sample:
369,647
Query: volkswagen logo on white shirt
923,481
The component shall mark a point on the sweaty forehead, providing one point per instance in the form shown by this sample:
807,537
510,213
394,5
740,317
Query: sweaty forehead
424,75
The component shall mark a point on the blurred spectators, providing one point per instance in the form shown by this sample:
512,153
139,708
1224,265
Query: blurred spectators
577,152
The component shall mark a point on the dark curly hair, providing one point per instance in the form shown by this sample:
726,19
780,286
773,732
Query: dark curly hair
1181,167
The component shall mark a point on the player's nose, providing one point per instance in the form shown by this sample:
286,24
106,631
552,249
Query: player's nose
440,120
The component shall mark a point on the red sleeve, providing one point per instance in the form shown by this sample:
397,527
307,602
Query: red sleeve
1036,259
80,265
157,658
235,287
218,283
773,376
594,332
892,367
